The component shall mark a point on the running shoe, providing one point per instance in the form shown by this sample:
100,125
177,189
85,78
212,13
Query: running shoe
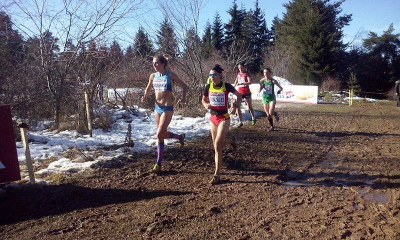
156,168
253,122
215,180
240,125
276,116
182,140
270,129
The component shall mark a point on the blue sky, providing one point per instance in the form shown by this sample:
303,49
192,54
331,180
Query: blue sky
367,15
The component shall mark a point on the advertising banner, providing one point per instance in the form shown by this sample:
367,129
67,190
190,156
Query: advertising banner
290,93
9,166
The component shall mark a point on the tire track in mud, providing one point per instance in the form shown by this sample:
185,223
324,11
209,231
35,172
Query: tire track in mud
317,150
328,169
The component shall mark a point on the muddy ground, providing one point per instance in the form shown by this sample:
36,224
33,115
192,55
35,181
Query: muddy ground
327,172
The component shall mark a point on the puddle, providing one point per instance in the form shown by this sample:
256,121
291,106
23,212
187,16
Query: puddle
378,198
358,207
328,165
370,182
340,183
373,197
297,184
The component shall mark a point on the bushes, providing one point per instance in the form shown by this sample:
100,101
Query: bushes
330,84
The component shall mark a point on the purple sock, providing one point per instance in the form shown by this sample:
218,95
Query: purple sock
175,136
160,152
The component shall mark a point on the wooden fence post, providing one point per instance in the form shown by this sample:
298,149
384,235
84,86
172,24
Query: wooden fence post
23,127
89,117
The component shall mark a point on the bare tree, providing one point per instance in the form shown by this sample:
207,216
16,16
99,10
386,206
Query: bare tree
239,51
279,61
185,15
77,21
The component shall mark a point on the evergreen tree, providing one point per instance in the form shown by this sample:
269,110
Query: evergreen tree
258,37
129,54
192,41
272,33
166,39
191,60
17,82
217,33
387,48
115,54
353,83
206,43
234,28
377,65
11,52
312,31
142,45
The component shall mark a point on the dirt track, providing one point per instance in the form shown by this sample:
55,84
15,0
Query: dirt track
327,172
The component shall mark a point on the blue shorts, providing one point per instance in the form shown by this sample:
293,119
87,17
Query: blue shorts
162,109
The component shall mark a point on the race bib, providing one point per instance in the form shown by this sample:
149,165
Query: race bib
217,99
160,85
268,90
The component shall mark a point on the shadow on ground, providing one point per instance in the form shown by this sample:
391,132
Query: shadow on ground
36,201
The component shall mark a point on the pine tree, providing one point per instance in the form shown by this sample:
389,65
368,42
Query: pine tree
258,37
192,41
380,58
206,43
142,45
129,54
272,33
387,48
166,39
116,54
11,52
312,31
234,28
217,33
353,83
12,85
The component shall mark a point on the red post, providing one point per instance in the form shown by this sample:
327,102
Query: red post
9,166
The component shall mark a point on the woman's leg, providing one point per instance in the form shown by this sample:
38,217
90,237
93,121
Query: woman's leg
250,104
268,112
239,113
162,125
272,108
266,109
271,113
219,142
214,129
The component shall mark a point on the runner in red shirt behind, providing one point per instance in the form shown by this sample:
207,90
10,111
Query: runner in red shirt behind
243,82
